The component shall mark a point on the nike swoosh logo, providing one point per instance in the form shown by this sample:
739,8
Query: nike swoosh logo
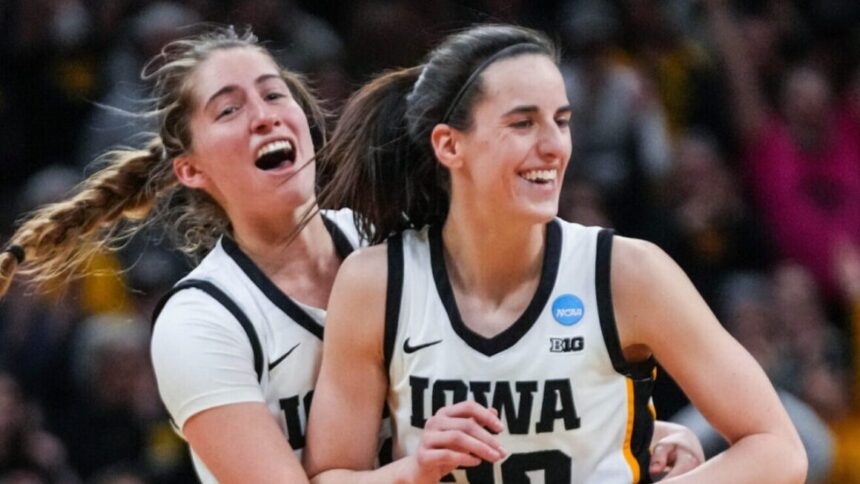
276,362
412,349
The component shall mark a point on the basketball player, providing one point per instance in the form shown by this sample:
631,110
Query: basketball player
235,358
229,173
482,296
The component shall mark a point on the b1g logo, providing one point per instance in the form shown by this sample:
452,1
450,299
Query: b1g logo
566,345
568,309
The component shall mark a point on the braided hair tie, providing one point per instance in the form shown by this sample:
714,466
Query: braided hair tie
17,251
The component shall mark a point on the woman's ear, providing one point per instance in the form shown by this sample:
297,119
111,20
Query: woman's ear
445,141
187,172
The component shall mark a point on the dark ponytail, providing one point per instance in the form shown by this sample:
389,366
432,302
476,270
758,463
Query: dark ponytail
374,168
380,161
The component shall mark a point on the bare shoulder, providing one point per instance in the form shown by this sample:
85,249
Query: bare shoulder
643,269
637,261
356,310
366,267
646,286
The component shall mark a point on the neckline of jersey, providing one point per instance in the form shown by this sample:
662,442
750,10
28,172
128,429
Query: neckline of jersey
513,333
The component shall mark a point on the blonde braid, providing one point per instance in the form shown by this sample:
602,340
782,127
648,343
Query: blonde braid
59,237
138,187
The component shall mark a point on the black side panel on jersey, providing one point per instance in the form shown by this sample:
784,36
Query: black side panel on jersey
341,242
219,295
606,312
393,296
643,427
272,292
640,373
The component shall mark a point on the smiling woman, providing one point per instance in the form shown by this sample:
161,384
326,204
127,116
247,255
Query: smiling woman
229,174
484,313
250,136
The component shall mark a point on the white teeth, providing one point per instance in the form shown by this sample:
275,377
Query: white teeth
540,175
275,146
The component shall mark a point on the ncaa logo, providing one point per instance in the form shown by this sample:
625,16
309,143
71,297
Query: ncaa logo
568,309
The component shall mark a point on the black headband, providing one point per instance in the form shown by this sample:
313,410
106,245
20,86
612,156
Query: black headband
17,251
509,50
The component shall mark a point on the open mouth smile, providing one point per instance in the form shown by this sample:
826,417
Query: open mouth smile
276,154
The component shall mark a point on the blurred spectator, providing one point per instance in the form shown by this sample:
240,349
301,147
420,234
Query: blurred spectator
803,160
27,452
846,427
817,350
113,123
709,228
682,71
303,42
117,402
619,133
50,72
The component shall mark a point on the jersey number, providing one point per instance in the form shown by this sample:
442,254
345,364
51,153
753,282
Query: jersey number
554,464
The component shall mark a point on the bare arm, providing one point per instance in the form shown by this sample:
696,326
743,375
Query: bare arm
350,392
352,387
658,309
204,365
242,443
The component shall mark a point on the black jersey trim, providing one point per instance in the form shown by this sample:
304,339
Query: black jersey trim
386,452
393,296
606,312
510,336
213,291
343,248
643,426
342,245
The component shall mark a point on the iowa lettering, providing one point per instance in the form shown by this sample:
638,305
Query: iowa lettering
293,416
555,398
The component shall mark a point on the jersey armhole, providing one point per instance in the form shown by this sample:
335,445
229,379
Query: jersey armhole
640,375
342,245
393,296
606,313
215,293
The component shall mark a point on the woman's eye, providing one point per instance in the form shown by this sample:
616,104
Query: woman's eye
227,111
526,123
274,95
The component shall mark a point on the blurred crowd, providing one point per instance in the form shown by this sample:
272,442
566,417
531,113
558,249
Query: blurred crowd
727,132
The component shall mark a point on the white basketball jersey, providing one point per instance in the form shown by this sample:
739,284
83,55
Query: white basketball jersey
573,409
285,336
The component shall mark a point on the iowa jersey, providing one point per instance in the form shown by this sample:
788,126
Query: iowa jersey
573,409
226,334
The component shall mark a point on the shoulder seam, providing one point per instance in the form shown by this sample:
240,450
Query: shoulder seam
216,293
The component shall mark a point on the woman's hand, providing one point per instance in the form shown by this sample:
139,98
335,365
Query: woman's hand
676,453
456,436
